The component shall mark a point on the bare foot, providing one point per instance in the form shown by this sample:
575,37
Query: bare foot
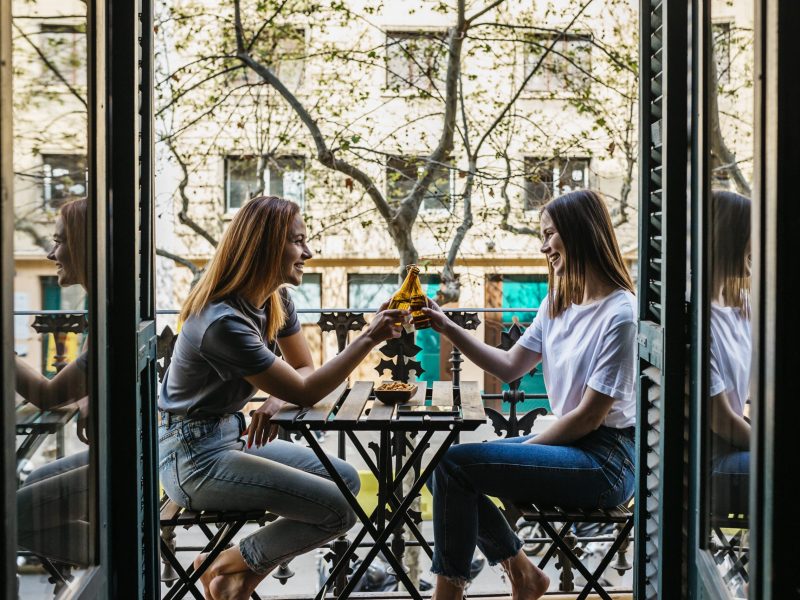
221,584
528,582
233,586
206,577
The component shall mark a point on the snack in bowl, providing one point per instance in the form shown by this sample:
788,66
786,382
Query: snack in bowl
392,392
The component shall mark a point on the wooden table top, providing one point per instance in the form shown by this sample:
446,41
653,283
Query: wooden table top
357,409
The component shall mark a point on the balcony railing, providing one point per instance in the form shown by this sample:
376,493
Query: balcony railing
399,357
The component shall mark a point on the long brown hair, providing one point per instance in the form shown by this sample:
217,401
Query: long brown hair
582,220
73,215
730,239
248,259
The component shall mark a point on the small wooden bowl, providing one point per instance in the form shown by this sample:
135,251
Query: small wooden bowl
391,397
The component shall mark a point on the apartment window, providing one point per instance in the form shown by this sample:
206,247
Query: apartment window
547,178
64,177
415,60
64,47
402,172
249,176
283,50
566,68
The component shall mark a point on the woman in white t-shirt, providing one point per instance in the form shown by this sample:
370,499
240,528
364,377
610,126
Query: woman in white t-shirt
584,334
730,352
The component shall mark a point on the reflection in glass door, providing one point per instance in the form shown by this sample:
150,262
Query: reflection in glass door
725,197
52,478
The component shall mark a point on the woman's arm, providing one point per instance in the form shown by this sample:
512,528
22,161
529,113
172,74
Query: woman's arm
68,385
587,417
727,424
295,351
505,365
282,380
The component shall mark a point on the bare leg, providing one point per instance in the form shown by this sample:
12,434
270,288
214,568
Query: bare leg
446,589
228,577
528,582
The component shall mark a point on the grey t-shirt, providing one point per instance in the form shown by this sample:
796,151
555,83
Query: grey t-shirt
216,349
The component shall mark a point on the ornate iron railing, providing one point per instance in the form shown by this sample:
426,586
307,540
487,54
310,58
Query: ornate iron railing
399,358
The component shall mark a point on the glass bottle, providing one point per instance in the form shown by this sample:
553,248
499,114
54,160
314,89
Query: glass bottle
411,297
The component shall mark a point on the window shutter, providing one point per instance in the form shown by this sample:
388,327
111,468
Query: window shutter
662,424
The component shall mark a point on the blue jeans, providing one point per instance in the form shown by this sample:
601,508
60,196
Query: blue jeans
53,511
204,465
730,478
595,472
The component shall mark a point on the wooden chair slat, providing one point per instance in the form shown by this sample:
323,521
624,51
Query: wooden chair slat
170,510
353,404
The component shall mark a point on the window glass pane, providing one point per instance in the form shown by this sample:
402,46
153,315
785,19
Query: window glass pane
287,178
728,404
241,180
565,69
547,178
282,48
64,177
54,480
402,172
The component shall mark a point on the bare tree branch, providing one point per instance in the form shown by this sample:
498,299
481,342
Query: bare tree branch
528,77
183,213
49,64
180,260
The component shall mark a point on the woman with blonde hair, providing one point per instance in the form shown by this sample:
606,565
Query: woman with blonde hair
53,502
235,320
584,336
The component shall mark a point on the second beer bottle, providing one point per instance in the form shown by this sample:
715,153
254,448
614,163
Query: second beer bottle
411,297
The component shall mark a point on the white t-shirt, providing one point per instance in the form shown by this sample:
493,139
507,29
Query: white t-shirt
730,355
591,345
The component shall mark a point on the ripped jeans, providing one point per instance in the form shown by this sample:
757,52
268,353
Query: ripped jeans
204,465
595,472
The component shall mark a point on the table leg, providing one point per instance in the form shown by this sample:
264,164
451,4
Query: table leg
368,527
394,500
380,542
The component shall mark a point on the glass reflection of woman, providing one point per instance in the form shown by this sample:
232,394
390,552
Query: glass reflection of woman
730,348
52,505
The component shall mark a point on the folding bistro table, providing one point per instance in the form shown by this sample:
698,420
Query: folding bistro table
356,409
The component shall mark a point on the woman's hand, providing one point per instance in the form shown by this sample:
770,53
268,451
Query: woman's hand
261,430
386,324
439,321
82,425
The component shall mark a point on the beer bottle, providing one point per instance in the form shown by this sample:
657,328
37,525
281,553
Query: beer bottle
411,297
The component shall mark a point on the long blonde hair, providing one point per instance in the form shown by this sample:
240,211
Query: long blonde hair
73,216
582,220
248,260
